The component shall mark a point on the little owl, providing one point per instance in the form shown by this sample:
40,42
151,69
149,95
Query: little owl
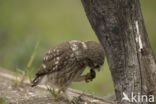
64,64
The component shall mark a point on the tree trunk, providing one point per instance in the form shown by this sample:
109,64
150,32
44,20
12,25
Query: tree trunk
119,25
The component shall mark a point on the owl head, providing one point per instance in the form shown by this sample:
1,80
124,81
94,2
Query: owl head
94,55
88,53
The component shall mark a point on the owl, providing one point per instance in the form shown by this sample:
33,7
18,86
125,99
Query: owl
64,64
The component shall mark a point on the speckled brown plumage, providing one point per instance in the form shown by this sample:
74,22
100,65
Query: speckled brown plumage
65,63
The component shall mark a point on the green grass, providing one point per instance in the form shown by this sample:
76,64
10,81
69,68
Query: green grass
2,100
54,93
28,71
19,73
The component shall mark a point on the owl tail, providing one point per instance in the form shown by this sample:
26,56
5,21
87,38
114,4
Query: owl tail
35,81
39,80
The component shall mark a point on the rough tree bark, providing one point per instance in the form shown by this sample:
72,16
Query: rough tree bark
119,25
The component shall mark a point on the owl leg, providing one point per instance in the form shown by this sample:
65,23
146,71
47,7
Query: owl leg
80,78
69,98
58,93
66,95
88,77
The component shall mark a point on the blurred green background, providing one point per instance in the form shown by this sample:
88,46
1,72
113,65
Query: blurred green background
25,22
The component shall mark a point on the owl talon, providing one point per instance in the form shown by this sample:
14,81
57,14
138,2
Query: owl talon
90,76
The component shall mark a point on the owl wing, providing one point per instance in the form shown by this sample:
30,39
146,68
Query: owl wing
54,60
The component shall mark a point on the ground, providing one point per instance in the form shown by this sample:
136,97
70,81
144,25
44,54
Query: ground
25,94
